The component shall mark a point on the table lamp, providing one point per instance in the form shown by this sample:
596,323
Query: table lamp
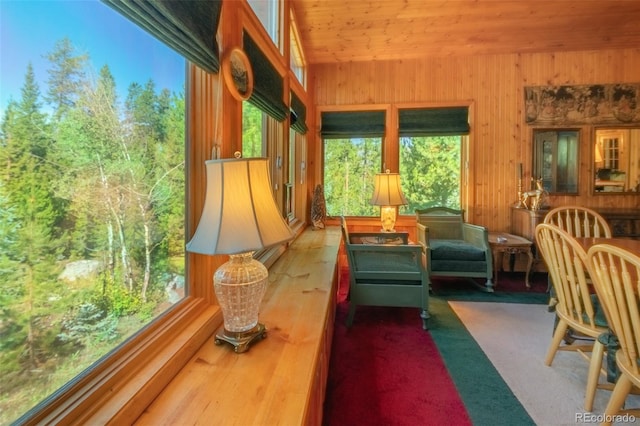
239,217
387,194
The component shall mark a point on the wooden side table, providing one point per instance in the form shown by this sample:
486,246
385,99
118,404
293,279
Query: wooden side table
502,243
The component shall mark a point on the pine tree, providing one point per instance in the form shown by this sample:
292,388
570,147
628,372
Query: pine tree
66,76
30,197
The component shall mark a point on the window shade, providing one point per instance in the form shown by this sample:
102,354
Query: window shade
352,124
188,27
268,85
433,121
300,114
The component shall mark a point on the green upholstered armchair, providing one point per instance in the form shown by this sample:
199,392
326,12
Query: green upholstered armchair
452,247
385,270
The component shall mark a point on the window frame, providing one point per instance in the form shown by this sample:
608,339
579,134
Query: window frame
273,26
297,61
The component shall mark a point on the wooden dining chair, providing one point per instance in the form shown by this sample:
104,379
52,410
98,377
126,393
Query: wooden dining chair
616,277
565,259
579,221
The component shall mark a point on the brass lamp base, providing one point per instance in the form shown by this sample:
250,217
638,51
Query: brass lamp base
243,339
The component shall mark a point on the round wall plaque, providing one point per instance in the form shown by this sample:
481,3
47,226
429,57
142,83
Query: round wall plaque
237,73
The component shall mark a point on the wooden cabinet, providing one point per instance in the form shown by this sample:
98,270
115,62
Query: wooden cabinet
524,222
623,222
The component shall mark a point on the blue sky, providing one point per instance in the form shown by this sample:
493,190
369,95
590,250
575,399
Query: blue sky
29,30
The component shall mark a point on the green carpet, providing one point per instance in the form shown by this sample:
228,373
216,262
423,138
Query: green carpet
499,297
510,289
488,399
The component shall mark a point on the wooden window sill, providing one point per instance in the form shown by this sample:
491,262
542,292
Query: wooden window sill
281,379
125,382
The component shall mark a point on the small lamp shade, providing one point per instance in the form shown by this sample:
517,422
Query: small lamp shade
239,213
387,190
387,194
239,217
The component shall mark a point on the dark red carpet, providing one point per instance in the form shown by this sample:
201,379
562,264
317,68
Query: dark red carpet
386,370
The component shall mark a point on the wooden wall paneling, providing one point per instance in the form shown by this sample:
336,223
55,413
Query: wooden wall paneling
499,136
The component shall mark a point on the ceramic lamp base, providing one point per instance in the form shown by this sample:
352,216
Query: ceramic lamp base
241,340
388,218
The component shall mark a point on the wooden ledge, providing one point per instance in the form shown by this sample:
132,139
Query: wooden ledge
280,380
121,387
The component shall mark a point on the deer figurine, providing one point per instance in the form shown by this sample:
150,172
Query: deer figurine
535,199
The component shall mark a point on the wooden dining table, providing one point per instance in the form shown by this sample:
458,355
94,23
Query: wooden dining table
624,243
628,244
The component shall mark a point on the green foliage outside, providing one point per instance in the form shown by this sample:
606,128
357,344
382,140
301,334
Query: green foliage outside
349,169
85,176
251,131
429,173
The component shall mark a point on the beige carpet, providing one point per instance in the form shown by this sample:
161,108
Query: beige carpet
515,337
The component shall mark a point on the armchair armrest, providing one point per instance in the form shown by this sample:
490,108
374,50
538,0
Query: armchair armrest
476,235
422,233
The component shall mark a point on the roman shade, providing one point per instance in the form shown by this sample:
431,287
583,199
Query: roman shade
352,124
433,121
268,84
188,27
299,112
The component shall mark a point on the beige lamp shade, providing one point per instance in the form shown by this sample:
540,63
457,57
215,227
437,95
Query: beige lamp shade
387,190
240,213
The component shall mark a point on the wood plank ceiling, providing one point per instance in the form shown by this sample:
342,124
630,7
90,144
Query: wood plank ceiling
359,30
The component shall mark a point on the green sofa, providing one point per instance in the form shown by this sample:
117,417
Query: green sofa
385,270
452,247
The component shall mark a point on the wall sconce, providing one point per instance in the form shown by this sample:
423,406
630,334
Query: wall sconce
239,217
387,194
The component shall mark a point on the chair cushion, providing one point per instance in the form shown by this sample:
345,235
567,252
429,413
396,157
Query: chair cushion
600,319
459,266
455,250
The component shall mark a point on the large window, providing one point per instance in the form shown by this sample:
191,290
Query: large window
91,191
268,12
352,157
349,169
431,141
296,59
430,169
